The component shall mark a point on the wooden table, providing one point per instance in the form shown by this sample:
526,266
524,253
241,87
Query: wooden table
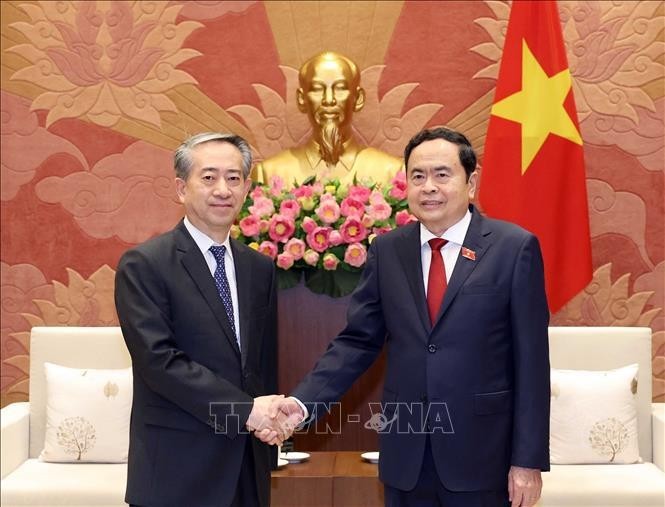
339,479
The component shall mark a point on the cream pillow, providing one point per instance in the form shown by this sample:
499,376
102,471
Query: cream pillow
594,416
87,414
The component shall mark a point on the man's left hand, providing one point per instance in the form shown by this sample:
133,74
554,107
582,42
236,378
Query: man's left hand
524,486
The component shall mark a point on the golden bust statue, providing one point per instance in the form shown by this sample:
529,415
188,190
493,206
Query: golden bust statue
329,94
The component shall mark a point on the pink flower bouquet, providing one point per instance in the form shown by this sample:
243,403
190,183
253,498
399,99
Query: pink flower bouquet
320,229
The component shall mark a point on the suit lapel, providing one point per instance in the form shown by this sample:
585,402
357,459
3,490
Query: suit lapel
193,261
244,283
476,240
409,253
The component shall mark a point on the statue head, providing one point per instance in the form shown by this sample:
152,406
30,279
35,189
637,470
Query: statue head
330,93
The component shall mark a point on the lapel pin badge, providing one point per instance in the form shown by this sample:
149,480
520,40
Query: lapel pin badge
469,254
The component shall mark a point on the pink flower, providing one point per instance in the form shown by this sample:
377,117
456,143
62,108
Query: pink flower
311,257
368,221
309,224
380,211
356,255
304,191
377,231
360,193
317,187
353,231
335,238
352,207
263,207
330,261
327,197
404,217
276,185
268,248
398,190
328,210
289,208
250,225
376,197
264,226
318,238
256,192
285,260
281,228
296,247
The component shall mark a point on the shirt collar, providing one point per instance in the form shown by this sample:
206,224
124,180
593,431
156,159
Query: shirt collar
347,159
203,241
454,234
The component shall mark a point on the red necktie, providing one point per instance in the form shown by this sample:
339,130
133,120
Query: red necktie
436,282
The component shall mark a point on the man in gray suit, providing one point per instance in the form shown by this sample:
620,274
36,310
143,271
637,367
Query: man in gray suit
198,313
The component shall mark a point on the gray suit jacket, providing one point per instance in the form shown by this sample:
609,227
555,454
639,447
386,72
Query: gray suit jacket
193,389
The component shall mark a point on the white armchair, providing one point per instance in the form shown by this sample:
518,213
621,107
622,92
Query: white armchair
25,479
639,484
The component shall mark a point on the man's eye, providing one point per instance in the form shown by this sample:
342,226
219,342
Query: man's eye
208,177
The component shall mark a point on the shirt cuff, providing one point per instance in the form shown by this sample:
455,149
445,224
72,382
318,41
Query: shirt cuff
303,408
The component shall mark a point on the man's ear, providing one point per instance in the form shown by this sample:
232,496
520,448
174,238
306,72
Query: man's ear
473,183
180,185
300,98
360,99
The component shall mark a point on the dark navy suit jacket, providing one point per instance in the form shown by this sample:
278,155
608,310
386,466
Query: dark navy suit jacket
480,373
193,389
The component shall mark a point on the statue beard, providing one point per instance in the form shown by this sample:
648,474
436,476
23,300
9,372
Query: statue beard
331,146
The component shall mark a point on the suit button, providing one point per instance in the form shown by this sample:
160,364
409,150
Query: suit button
431,348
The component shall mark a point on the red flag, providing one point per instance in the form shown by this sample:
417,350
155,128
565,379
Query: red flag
533,170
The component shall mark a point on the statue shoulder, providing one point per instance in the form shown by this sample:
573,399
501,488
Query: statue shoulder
382,158
283,163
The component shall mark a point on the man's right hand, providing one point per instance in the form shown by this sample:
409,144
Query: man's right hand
285,415
274,418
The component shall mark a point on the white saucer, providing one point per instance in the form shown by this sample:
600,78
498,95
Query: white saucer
281,463
372,457
294,457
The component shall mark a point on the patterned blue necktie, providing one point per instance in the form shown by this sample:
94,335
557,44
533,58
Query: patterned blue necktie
222,284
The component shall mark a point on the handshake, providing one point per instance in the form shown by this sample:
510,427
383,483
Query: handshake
274,418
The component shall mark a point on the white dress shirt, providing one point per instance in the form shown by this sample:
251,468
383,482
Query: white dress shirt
204,242
455,235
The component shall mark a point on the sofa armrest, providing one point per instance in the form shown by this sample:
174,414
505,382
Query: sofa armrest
658,434
14,437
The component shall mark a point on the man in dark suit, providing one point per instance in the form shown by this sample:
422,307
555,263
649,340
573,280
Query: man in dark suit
198,313
458,300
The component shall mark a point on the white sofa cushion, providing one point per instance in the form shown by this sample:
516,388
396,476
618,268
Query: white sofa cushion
636,485
87,414
37,483
594,416
606,348
92,347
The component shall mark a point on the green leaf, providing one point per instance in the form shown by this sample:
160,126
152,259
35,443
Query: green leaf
336,284
288,278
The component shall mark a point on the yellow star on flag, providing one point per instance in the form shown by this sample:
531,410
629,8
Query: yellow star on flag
538,107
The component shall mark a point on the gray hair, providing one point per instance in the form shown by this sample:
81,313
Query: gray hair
183,155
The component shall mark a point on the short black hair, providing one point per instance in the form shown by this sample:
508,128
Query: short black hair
467,156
